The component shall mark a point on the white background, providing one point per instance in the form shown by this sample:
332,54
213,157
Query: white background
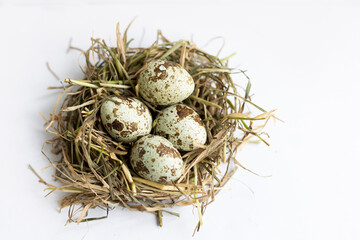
303,58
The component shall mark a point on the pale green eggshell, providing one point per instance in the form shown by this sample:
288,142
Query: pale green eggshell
165,83
125,119
182,126
154,158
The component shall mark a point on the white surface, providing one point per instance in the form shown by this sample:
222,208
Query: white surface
303,58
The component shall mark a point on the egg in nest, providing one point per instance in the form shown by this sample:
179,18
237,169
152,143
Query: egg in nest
182,126
154,158
164,83
125,119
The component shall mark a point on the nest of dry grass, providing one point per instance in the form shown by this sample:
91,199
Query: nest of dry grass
94,169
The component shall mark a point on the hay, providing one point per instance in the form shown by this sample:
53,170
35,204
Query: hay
94,169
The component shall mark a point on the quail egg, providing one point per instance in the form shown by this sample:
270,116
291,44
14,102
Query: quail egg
165,83
125,119
155,158
182,126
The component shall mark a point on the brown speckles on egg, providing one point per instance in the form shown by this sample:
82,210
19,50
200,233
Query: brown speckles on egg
160,73
166,150
190,80
161,133
125,133
198,120
114,112
125,119
133,126
140,110
182,126
141,152
164,83
130,105
158,155
151,97
141,168
183,111
117,125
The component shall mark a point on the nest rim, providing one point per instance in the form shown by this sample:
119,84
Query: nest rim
99,174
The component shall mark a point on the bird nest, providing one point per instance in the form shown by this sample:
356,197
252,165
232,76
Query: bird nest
94,169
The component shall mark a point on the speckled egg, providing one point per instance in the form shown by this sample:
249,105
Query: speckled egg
155,158
125,119
182,126
165,83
